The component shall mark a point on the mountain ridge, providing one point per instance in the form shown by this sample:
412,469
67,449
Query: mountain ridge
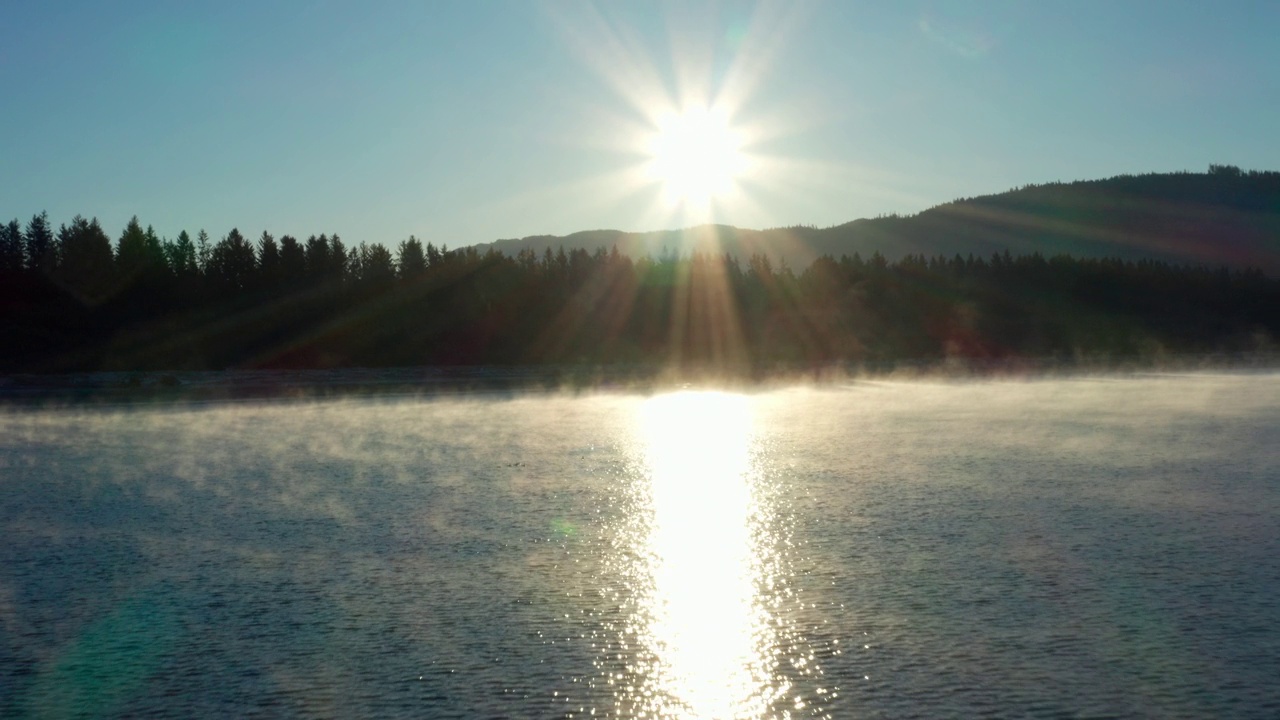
1225,216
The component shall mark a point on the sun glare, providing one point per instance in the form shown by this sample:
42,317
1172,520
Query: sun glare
706,627
691,130
696,155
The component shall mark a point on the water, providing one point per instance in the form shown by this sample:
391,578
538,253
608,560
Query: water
1055,548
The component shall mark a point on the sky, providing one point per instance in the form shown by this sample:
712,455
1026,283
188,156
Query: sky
466,122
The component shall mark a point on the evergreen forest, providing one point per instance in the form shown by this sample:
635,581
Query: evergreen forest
74,299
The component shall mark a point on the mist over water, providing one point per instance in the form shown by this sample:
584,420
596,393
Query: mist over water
1053,548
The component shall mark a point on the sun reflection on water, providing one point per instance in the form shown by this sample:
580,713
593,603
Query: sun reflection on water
704,627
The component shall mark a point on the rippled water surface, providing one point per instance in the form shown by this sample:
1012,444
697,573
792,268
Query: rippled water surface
1053,548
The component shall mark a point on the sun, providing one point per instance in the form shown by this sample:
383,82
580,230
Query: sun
696,155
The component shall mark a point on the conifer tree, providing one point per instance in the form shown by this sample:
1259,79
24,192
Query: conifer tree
293,260
268,261
157,261
11,247
337,270
131,249
317,254
41,252
181,256
87,264
377,269
232,264
204,251
410,260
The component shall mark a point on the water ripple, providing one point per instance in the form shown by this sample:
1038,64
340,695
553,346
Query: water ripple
1039,549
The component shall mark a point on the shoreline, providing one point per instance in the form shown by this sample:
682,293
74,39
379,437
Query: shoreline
232,385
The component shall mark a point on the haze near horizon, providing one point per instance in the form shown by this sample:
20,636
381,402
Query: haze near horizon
464,124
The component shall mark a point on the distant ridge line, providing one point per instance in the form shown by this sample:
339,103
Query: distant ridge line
1226,216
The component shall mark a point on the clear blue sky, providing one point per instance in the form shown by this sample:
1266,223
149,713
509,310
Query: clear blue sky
468,121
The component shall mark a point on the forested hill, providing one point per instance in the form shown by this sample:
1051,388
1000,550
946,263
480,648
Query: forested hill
1225,216
1005,278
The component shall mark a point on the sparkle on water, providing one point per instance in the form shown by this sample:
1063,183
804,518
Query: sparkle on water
1057,548
704,622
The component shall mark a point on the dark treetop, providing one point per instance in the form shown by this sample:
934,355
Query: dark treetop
1131,266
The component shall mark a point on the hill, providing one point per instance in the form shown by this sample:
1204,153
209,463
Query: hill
1222,217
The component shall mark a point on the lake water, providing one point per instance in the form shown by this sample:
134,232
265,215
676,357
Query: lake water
1087,547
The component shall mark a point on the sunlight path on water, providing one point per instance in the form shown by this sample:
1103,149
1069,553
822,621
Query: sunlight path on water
1047,547
704,626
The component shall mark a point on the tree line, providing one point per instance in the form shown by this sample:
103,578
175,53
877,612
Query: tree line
72,299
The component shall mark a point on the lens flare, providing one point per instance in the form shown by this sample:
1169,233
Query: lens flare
691,137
